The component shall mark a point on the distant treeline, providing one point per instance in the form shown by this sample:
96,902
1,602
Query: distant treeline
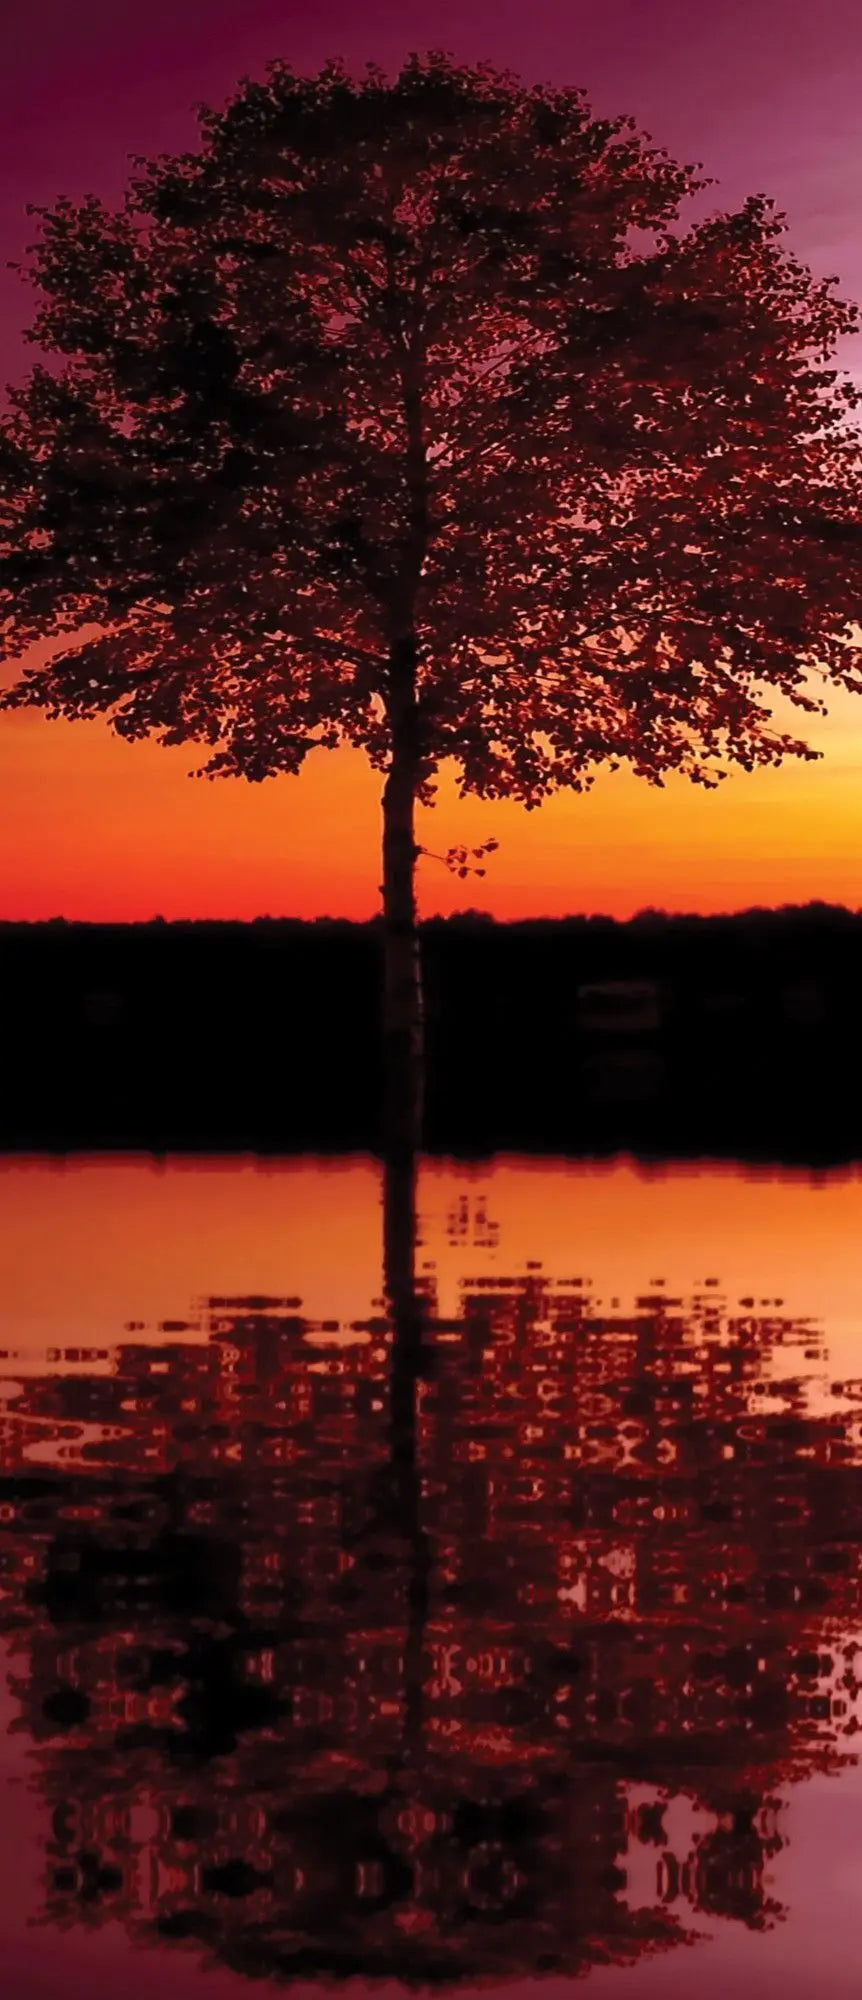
730,1033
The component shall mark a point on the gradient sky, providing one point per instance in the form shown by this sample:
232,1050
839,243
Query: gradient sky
767,97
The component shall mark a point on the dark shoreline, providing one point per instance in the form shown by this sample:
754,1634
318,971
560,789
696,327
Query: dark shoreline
687,1037
816,1154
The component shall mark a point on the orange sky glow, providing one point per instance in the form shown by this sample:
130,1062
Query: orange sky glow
99,830
93,828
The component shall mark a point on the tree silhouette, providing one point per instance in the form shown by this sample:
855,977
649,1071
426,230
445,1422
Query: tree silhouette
405,414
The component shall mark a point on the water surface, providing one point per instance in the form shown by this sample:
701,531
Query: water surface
452,1583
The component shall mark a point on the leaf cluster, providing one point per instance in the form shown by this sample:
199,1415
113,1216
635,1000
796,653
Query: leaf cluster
431,357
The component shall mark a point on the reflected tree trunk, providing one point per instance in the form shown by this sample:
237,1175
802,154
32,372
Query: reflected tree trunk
407,1315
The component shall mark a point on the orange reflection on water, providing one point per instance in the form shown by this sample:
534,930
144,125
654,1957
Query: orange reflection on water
476,1634
86,1245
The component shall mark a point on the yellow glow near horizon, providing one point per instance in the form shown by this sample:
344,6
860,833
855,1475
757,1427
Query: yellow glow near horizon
95,828
98,829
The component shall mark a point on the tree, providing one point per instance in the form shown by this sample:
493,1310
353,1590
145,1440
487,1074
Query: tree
406,414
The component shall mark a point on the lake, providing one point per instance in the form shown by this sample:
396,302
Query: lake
444,1581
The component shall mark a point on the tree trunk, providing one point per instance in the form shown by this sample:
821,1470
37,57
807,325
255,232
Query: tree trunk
403,1036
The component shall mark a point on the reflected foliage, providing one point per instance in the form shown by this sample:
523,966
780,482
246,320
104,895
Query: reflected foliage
430,1646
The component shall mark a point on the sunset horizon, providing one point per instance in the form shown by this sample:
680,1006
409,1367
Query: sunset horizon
430,986
103,831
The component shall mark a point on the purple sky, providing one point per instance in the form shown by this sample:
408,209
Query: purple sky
766,93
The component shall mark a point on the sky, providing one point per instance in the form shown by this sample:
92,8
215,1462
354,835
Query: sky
766,97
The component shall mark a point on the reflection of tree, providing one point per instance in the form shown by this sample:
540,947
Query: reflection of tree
406,1647
407,1316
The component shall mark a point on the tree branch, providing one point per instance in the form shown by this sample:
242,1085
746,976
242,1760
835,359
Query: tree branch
445,444
357,654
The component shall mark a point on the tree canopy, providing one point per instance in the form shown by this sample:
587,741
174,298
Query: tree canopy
430,357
